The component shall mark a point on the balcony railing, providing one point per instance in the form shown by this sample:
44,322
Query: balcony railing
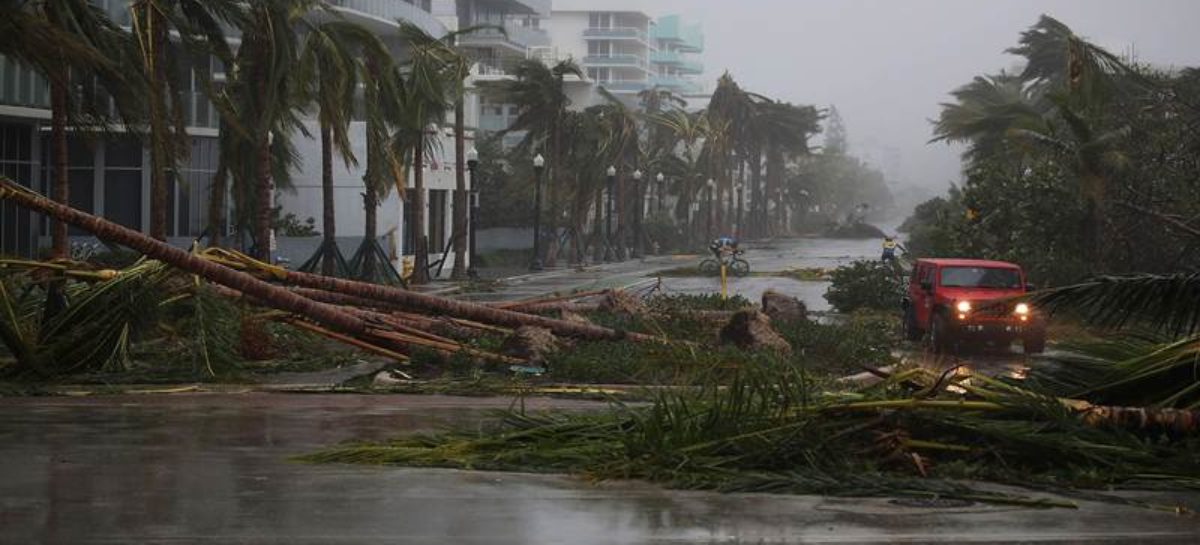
614,60
519,37
665,57
630,86
615,33
676,84
390,10
691,67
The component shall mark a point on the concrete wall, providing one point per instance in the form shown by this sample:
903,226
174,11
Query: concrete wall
504,238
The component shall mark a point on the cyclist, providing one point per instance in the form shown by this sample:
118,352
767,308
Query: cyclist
723,247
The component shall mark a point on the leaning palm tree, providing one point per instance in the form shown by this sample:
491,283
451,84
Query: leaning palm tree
328,77
198,26
69,42
266,99
434,74
539,93
620,145
688,131
384,108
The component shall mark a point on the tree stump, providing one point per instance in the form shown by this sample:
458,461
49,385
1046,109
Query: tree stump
751,330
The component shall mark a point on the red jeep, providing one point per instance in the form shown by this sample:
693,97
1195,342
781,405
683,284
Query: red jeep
960,301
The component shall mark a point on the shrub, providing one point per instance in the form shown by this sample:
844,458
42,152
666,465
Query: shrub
865,285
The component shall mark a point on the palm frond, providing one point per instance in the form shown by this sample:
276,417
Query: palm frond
1168,302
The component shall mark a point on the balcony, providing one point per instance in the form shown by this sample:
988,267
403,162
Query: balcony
692,68
670,29
676,84
388,11
666,57
615,33
625,86
519,38
615,60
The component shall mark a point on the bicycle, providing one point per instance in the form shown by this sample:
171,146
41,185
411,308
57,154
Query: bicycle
734,264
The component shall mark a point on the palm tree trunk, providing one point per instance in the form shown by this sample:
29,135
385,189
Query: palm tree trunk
370,228
756,194
161,144
216,205
62,186
619,236
441,306
460,192
328,215
262,223
598,228
421,265
272,296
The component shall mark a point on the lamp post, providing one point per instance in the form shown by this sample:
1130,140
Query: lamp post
472,164
539,165
612,182
662,190
803,206
708,214
741,201
637,214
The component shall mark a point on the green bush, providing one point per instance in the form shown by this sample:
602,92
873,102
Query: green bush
870,285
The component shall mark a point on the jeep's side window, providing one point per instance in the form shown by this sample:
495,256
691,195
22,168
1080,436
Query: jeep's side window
926,275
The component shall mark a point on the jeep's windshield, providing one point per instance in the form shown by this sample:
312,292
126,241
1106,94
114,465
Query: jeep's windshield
980,277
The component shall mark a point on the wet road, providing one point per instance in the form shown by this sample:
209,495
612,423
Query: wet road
213,468
771,257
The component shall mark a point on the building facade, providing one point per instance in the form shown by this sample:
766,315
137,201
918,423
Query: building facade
620,47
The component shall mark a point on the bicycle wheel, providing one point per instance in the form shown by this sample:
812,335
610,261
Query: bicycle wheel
710,267
739,267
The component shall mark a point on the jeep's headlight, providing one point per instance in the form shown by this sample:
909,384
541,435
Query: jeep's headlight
964,306
1022,309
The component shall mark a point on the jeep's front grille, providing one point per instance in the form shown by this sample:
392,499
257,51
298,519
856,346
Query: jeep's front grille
993,310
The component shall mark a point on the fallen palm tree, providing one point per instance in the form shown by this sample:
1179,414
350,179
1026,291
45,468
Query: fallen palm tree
246,275
420,302
270,295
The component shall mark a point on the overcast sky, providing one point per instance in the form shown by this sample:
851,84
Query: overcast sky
887,64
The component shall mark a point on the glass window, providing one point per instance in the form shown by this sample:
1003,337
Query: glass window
123,153
980,277
123,197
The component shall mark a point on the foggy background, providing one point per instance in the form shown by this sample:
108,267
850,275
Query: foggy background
887,64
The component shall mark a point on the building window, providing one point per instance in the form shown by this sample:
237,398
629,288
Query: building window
123,181
16,162
598,19
437,220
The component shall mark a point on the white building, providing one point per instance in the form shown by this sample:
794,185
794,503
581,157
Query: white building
610,40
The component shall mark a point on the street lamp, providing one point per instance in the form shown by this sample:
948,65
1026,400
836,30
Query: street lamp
712,184
539,165
741,197
612,182
662,190
637,214
472,164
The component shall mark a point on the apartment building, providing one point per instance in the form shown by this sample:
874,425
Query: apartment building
610,41
619,46
675,60
110,177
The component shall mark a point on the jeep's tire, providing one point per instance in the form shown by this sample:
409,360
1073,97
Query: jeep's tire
1034,344
939,335
911,331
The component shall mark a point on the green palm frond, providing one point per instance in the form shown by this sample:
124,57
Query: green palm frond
1167,302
